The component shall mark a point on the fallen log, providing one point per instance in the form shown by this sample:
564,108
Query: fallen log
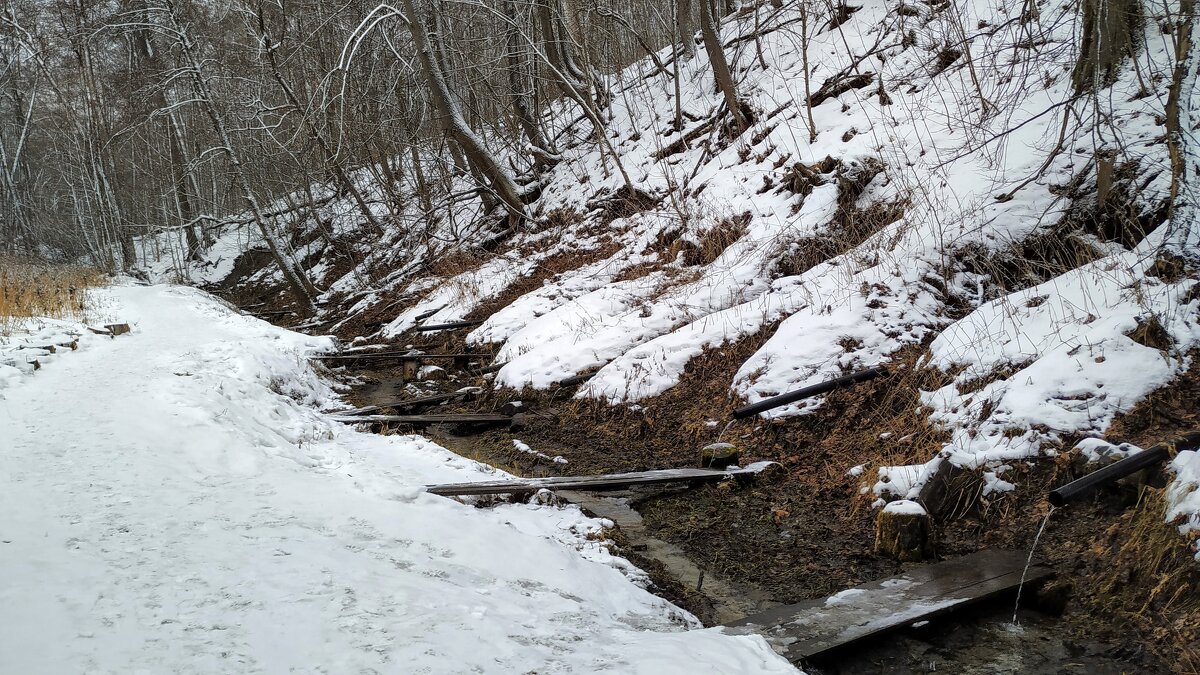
808,392
426,315
448,326
1149,457
616,481
579,378
426,420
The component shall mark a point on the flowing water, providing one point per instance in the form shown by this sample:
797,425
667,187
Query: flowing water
1028,562
726,428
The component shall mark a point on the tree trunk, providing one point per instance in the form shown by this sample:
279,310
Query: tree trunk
684,27
450,116
332,161
518,82
720,66
1184,234
298,284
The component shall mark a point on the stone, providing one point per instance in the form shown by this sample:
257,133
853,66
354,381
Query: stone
718,456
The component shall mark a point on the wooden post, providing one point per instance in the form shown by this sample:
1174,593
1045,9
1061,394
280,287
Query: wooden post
409,370
902,531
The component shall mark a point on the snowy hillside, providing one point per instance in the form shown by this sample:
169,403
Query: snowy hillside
915,174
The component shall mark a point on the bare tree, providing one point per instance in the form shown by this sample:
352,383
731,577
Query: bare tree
720,66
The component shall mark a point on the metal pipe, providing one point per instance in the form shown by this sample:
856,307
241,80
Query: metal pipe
1117,470
809,392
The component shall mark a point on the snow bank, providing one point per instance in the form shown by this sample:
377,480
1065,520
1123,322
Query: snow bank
1183,496
1060,358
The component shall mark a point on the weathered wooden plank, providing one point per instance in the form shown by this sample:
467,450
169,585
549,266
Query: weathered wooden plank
421,420
399,356
417,402
809,629
616,481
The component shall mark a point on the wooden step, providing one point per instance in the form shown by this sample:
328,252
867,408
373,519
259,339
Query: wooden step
814,627
616,481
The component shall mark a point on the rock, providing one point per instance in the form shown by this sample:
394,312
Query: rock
718,456
1053,596
512,408
902,531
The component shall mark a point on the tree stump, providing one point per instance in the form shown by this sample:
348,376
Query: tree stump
902,531
718,456
951,491
512,408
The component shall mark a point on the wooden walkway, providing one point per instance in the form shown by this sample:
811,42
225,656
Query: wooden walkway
814,627
616,481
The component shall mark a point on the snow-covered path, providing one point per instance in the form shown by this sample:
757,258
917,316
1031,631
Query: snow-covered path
173,503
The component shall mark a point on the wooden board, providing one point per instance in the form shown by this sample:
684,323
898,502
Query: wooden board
811,628
616,481
419,401
423,420
400,356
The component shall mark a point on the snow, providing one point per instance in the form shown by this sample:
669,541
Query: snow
1183,496
977,158
175,502
905,507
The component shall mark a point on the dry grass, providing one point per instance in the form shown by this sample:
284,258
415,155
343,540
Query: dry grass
31,288
1149,581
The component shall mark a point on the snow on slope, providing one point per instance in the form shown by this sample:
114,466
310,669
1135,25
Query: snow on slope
175,503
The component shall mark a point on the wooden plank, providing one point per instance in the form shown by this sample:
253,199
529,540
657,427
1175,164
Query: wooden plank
419,401
811,628
616,481
399,356
422,420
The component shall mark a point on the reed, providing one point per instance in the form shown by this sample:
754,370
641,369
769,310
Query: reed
33,289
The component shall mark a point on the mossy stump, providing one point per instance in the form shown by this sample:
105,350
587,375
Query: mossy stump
718,456
903,531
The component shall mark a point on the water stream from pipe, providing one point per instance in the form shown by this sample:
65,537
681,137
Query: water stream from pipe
726,428
1029,562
